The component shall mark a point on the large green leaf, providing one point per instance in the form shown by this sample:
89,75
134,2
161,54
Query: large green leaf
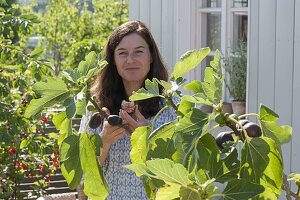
70,161
63,124
195,86
223,170
241,189
205,146
198,98
168,192
189,61
213,80
70,106
151,90
163,169
190,129
261,163
89,63
53,91
266,114
139,145
95,186
280,134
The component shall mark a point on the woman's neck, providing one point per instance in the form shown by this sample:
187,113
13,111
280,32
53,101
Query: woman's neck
131,87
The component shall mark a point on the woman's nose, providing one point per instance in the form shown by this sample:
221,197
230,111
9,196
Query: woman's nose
130,58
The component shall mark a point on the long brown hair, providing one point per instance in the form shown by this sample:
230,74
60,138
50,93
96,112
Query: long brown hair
108,86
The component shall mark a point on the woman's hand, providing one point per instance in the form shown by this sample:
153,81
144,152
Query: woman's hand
133,122
109,135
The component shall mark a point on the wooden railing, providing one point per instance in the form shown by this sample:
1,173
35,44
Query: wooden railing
58,185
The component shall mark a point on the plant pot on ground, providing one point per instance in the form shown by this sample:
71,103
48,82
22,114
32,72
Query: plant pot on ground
235,66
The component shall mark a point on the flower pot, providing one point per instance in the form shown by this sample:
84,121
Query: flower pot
227,107
239,107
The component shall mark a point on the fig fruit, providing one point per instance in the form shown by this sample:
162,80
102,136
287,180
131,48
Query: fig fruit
95,120
252,129
114,120
223,137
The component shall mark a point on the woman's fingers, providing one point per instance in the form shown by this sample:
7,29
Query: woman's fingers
128,119
140,118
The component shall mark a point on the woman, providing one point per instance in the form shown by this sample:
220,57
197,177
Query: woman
132,57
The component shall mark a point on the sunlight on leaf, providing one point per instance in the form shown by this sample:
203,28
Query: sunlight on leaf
53,91
189,61
151,90
261,163
139,149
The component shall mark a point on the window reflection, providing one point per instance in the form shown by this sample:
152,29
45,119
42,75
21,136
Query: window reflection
240,3
240,28
211,3
214,30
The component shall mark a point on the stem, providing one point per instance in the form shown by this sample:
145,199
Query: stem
102,113
213,128
287,189
248,114
156,116
169,98
236,131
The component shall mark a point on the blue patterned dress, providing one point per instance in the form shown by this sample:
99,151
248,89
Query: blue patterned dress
123,183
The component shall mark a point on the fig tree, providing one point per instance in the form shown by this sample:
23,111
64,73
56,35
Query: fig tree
223,137
114,120
252,129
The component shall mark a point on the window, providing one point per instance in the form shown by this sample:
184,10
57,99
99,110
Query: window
221,24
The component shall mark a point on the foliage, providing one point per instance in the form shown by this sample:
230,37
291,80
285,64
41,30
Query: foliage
235,64
25,150
69,30
192,163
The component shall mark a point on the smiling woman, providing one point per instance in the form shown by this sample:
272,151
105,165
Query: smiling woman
132,57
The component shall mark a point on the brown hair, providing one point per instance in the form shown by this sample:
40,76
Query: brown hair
108,86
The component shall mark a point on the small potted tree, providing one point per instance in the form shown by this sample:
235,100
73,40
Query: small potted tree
235,66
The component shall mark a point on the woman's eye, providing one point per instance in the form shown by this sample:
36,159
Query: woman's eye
122,53
139,52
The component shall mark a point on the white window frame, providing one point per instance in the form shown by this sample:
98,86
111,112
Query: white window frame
227,12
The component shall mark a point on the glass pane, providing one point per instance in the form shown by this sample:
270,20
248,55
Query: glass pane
240,28
211,4
213,33
240,3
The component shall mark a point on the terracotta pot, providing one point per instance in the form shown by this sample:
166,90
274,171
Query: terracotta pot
227,108
239,107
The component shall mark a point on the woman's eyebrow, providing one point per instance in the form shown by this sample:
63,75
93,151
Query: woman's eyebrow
123,49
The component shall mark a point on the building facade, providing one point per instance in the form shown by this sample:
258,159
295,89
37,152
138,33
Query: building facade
272,31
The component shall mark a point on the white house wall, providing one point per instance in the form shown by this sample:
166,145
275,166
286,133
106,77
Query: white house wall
274,67
274,54
170,22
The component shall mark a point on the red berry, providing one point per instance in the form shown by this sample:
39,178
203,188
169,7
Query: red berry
42,168
44,118
23,166
12,151
55,164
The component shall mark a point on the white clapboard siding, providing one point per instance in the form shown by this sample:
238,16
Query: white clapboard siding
170,23
273,54
274,73
295,159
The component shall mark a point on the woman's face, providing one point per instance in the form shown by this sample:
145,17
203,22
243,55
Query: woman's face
132,58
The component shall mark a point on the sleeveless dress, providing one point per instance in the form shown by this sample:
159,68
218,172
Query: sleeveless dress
122,182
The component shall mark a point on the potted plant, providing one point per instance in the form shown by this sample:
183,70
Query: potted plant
235,66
